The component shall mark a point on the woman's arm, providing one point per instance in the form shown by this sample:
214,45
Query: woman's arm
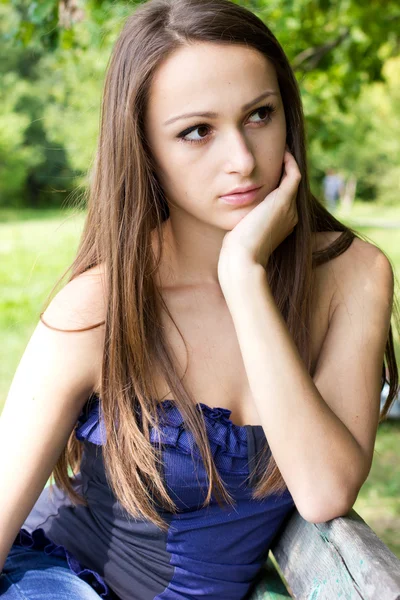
321,430
53,380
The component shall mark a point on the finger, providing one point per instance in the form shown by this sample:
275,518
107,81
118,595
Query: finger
290,161
292,176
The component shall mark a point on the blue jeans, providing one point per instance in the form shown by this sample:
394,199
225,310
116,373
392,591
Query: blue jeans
30,574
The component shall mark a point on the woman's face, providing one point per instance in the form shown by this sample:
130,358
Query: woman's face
199,158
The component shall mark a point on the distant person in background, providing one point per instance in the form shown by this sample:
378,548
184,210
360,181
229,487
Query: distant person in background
333,186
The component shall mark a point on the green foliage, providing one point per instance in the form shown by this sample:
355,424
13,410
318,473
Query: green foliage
37,24
52,65
369,139
333,46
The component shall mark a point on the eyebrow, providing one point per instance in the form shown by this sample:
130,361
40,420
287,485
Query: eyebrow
214,115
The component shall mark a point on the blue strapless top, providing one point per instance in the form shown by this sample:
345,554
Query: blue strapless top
211,552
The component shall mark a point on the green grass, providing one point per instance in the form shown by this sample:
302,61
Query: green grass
378,502
33,254
37,246
370,210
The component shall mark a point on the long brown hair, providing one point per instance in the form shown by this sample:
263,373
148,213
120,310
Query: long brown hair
125,203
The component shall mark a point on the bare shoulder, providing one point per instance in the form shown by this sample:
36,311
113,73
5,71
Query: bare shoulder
363,267
360,253
76,319
81,303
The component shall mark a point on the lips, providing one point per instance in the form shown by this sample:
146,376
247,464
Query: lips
241,198
242,190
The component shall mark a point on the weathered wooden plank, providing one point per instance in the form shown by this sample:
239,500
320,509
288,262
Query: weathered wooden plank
342,558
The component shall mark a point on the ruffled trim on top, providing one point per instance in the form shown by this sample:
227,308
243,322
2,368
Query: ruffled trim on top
223,435
37,540
91,424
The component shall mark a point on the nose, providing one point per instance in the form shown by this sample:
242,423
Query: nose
239,154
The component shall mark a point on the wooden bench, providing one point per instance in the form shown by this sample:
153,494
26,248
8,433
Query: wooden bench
342,558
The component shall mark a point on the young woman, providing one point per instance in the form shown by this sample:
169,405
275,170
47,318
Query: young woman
217,355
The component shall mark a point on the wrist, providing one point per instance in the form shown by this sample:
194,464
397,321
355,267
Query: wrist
238,274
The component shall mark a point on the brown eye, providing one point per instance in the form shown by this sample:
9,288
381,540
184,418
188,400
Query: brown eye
267,111
202,130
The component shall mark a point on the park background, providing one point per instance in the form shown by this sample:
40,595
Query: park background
53,56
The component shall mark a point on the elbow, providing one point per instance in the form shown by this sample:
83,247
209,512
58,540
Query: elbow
323,515
334,502
323,512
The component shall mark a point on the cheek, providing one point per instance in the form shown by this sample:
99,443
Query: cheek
270,155
272,166
165,166
181,184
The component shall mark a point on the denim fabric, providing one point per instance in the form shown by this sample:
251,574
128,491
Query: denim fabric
30,574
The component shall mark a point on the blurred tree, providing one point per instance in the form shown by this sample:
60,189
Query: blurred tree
345,40
52,50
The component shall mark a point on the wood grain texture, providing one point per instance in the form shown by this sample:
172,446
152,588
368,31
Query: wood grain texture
342,558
